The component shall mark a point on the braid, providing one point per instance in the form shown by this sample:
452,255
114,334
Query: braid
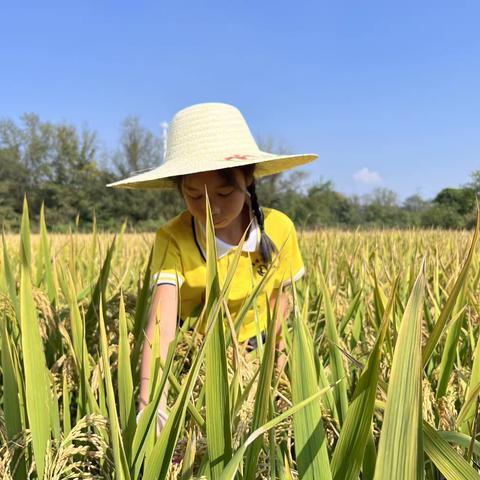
267,247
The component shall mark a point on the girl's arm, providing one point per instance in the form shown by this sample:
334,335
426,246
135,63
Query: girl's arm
282,313
163,311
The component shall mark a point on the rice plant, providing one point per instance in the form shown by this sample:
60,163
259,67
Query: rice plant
382,379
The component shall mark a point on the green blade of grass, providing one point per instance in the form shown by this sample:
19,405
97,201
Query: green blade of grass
262,397
352,309
13,420
93,252
473,389
189,458
47,259
460,439
25,243
67,422
452,299
10,279
11,401
232,467
125,382
446,459
37,382
349,452
468,408
400,451
216,378
99,293
86,402
369,458
141,317
121,466
336,359
310,440
449,354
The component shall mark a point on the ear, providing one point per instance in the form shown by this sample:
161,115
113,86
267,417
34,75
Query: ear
249,179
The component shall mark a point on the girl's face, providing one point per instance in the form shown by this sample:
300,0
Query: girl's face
226,200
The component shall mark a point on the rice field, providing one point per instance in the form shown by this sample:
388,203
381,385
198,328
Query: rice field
382,379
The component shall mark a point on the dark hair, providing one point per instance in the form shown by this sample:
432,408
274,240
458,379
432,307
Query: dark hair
267,247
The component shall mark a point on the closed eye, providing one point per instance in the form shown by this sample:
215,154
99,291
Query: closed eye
194,197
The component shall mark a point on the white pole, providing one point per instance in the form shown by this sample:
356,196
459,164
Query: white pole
164,127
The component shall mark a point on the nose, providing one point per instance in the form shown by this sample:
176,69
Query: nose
215,209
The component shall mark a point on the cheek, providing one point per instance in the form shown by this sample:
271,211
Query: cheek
195,207
242,197
236,202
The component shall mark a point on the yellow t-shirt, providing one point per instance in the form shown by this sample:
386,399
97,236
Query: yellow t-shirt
179,257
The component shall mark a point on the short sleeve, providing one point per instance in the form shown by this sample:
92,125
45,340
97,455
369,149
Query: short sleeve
166,261
290,263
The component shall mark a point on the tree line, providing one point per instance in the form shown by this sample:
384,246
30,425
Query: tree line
65,168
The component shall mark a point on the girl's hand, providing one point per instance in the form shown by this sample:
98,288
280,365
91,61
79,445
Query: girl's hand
162,418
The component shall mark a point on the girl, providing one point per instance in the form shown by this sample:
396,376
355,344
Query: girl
210,149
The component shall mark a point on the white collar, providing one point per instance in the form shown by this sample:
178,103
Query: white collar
223,248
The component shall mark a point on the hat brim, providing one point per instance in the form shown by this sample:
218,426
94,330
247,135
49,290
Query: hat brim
161,177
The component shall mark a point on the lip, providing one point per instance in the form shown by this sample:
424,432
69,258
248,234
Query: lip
217,221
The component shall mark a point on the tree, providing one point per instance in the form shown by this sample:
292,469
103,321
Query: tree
475,182
271,189
452,208
139,149
415,203
319,206
461,200
381,209
442,216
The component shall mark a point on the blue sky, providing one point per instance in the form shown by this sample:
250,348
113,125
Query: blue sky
387,93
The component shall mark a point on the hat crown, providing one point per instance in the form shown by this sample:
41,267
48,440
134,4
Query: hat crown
207,131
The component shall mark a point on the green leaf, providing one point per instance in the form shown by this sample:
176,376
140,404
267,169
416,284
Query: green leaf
452,299
449,354
25,248
219,434
460,439
125,382
37,382
10,279
232,467
262,397
400,451
67,422
446,459
98,296
121,466
349,452
336,358
468,409
141,317
45,255
310,440
86,402
11,401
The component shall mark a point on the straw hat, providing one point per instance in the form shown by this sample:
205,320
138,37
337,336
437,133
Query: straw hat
210,136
